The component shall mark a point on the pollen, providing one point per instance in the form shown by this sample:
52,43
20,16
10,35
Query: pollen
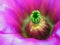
38,26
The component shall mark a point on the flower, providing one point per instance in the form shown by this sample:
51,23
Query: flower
32,5
15,15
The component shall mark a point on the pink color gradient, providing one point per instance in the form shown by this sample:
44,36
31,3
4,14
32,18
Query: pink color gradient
12,14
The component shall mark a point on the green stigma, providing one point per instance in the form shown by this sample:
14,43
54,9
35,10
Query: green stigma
35,17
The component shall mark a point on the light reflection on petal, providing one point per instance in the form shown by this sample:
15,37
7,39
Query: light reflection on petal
58,32
3,6
2,22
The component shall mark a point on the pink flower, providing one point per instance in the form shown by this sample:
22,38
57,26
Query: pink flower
12,15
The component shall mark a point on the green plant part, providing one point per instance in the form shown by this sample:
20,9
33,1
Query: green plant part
35,17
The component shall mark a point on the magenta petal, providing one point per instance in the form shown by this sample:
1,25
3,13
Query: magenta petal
56,29
54,10
12,24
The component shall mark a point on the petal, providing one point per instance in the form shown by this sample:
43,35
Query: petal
56,29
54,10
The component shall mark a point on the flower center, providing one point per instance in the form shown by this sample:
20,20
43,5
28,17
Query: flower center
37,26
35,17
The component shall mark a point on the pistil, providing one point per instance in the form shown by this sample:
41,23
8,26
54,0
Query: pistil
35,17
